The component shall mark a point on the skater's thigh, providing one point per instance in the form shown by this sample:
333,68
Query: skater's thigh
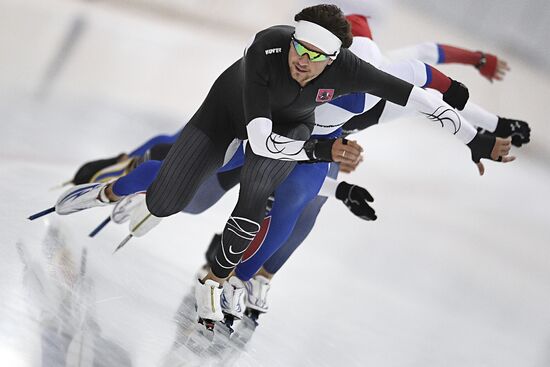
259,178
193,158
302,184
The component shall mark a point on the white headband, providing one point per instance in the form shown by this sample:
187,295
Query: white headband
319,37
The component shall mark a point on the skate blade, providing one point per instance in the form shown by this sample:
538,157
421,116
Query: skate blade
252,316
245,330
225,327
223,339
100,227
250,322
42,213
123,242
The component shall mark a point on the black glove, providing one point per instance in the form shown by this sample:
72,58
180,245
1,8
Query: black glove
356,199
319,150
457,95
517,129
481,146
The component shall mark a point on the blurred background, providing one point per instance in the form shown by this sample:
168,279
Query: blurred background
455,272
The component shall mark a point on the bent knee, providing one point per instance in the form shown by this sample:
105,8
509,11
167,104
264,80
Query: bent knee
160,208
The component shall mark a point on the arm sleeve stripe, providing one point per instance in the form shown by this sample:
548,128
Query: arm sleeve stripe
441,54
428,75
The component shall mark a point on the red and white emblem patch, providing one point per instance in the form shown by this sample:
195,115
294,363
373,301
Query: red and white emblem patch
324,95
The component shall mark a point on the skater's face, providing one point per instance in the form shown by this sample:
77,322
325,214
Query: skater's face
306,61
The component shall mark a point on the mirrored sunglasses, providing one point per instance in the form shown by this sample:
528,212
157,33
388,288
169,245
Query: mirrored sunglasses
314,56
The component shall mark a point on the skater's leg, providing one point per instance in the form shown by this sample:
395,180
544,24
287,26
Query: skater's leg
141,177
259,178
298,189
212,190
159,139
193,158
303,227
157,152
259,285
216,186
90,169
137,180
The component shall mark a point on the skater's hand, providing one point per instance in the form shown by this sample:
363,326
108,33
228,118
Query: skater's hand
518,130
502,69
499,153
457,95
350,167
491,67
347,152
357,199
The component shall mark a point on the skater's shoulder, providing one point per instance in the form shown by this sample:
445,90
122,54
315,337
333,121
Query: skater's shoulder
273,39
275,32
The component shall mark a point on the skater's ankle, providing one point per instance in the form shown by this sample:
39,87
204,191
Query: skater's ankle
264,273
211,276
122,157
107,195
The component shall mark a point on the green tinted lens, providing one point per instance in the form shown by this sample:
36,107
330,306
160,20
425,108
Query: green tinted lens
313,55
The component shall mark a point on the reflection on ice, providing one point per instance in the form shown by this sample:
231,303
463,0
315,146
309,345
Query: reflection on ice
64,298
196,346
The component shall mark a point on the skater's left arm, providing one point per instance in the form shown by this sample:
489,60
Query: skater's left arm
490,66
368,79
426,76
481,146
374,81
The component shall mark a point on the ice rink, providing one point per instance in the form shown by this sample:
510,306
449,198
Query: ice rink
455,272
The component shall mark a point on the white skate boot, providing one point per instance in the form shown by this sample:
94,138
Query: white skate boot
141,222
141,219
233,298
256,289
81,197
125,207
207,298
